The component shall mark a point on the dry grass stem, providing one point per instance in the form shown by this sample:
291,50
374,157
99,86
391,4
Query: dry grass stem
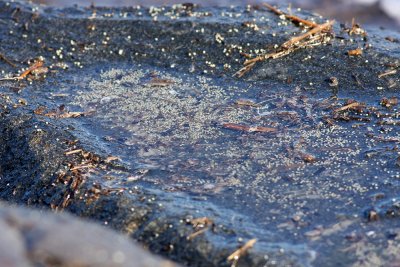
76,151
35,66
292,18
326,26
349,106
250,129
386,73
235,256
5,59
313,37
200,225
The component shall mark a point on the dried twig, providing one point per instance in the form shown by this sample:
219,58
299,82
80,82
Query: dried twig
246,128
83,166
247,103
386,73
235,256
76,151
111,158
66,115
349,106
157,82
197,233
37,65
249,64
267,56
3,57
356,29
201,225
327,25
314,36
292,18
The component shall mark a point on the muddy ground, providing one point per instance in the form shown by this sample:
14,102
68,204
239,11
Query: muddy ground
137,120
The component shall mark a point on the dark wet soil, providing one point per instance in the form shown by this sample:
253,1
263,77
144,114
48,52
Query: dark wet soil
154,89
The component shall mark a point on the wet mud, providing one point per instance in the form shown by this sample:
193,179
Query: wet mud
137,120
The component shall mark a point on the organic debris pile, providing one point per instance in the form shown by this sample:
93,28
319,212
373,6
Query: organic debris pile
316,34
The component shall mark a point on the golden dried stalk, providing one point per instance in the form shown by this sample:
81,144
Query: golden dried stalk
241,251
327,25
292,18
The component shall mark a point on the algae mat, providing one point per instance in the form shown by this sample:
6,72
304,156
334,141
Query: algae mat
136,120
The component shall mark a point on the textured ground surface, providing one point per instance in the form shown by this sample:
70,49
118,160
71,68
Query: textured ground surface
157,92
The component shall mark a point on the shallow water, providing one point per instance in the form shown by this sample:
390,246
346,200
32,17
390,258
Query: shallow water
172,136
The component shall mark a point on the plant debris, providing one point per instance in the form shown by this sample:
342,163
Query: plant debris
75,151
37,68
355,52
308,158
158,82
60,113
292,18
389,102
200,225
316,30
356,29
386,73
247,128
317,35
246,102
351,105
9,62
235,256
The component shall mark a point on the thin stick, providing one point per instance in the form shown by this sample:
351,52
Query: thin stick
292,18
250,129
349,106
83,166
3,57
273,9
36,65
389,72
315,30
73,152
267,56
240,73
197,233
241,251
